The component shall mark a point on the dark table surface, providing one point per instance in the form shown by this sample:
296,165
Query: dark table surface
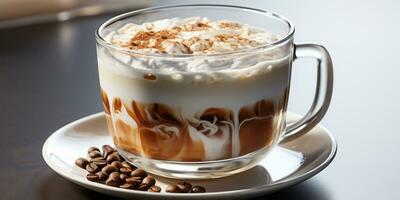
48,77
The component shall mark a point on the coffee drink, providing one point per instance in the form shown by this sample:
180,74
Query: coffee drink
201,97
173,93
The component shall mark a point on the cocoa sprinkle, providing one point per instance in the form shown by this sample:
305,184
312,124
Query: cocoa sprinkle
151,39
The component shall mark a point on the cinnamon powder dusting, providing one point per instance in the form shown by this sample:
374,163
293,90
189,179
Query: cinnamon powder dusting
151,39
189,36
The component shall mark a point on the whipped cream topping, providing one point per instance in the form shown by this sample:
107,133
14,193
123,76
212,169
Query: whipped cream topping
195,35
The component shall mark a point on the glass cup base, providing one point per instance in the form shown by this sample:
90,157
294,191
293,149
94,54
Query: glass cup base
196,170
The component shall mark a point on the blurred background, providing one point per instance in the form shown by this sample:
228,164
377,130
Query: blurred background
48,77
14,13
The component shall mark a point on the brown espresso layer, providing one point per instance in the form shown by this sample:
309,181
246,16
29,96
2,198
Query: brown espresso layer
162,132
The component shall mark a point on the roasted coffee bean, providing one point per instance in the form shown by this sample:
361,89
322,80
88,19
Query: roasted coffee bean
126,186
150,181
93,149
184,186
198,189
173,189
81,162
139,173
134,181
113,157
107,150
116,164
114,175
92,177
111,182
92,168
114,180
99,161
102,176
143,187
154,188
109,169
94,154
126,164
125,170
124,176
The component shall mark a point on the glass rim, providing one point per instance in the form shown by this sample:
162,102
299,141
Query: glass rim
266,13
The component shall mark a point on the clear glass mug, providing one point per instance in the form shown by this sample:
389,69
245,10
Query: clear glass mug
213,121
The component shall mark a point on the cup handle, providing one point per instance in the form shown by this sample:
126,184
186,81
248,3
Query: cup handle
323,92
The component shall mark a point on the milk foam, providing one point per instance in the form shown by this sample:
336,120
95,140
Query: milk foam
195,36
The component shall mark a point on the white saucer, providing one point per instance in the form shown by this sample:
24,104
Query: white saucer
290,163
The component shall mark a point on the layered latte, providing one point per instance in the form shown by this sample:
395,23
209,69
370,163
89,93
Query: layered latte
186,89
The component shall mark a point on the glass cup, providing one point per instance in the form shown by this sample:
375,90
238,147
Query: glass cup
210,121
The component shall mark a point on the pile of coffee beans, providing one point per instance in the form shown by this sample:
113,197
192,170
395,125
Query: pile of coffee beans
185,187
108,167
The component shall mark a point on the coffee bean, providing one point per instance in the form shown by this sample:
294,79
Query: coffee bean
114,180
126,164
96,159
109,169
107,150
154,188
125,170
173,189
102,176
139,173
116,164
124,176
94,154
99,161
184,186
81,162
114,175
198,189
143,187
126,186
134,181
111,182
92,168
113,157
93,149
92,177
149,180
